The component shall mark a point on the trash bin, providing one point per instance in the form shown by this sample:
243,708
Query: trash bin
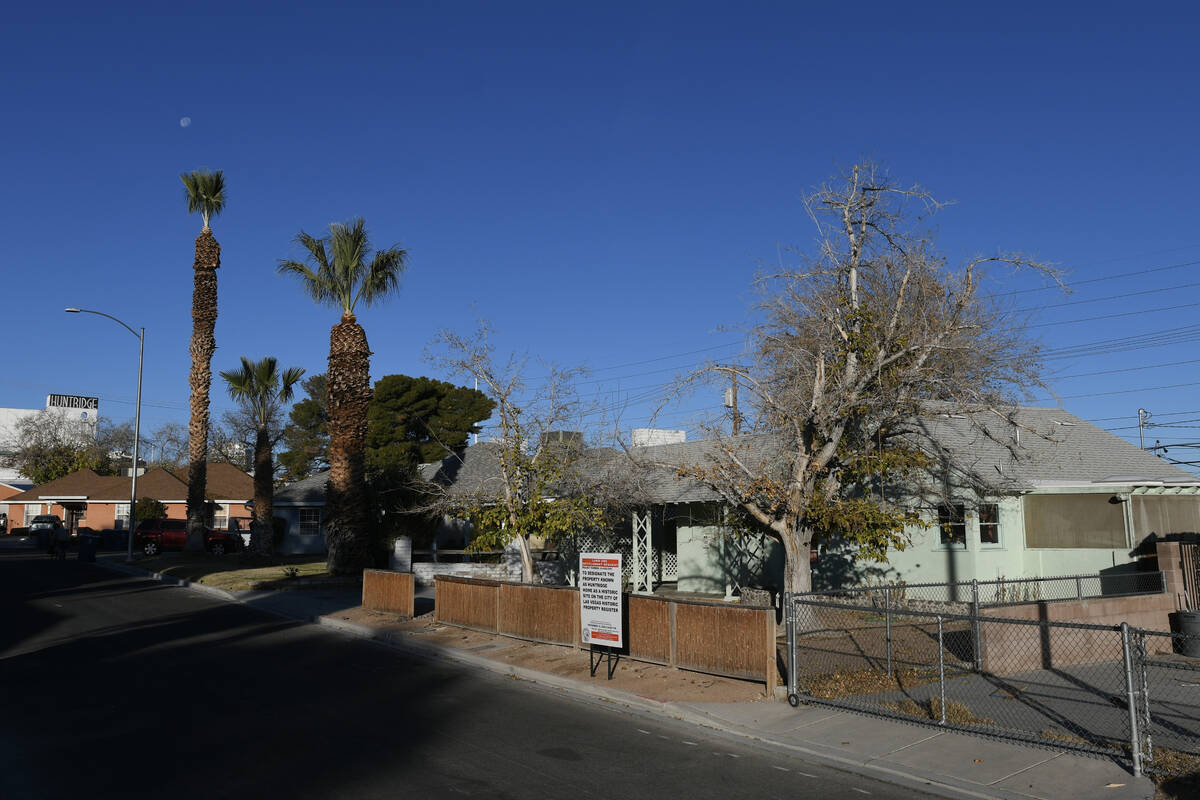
87,547
1189,626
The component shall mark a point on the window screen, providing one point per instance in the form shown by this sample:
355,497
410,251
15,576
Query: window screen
1164,516
1073,520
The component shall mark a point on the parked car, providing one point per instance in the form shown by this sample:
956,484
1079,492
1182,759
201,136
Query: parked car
153,536
44,522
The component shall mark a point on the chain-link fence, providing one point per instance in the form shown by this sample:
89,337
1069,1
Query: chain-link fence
1166,683
1098,689
967,596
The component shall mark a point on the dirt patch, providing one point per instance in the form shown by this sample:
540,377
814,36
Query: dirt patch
650,681
956,713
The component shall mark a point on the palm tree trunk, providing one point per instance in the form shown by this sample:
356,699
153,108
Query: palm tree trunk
204,323
262,530
347,394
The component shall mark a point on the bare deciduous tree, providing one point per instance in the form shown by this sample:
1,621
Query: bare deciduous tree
851,347
543,489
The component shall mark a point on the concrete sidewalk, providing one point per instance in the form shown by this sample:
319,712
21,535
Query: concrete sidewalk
944,763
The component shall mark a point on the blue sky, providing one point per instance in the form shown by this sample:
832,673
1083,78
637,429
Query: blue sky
601,181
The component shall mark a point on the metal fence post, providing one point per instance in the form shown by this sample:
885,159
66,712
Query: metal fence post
941,671
887,621
975,624
1144,726
1131,701
789,616
1078,588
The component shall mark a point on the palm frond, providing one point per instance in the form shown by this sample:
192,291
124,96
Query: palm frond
315,246
240,382
317,285
291,376
337,272
258,386
383,276
204,191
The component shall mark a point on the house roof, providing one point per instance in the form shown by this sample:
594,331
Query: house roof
225,482
1054,449
307,492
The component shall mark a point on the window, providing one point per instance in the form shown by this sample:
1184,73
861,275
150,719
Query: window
1074,520
952,526
121,516
310,521
31,511
221,516
989,524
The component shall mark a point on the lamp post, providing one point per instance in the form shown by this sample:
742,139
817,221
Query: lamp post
137,418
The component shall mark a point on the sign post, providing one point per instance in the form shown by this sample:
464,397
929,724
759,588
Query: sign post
600,607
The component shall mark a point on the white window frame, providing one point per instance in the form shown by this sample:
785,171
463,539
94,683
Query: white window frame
995,525
121,516
220,516
961,523
309,527
32,510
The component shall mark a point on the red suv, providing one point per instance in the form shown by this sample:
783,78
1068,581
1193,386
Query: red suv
155,535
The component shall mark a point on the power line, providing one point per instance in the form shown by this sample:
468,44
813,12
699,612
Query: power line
1103,278
1157,310
1121,296
1122,391
1125,369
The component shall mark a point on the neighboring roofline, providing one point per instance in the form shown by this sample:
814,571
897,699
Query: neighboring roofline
1143,483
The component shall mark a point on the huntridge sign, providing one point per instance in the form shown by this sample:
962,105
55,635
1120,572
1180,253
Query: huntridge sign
72,401
600,599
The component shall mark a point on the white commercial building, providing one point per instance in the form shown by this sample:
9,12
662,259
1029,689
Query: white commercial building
79,416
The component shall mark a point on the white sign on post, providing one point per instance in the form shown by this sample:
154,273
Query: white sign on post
600,599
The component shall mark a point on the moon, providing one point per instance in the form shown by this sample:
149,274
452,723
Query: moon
185,121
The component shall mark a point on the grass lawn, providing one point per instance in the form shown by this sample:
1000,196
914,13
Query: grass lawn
238,571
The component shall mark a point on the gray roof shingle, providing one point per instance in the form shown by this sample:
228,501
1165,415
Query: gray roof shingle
1053,448
307,492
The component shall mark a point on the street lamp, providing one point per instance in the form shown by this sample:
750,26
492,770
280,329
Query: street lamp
137,417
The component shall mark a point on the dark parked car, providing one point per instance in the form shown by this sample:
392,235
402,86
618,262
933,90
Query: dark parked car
152,536
44,522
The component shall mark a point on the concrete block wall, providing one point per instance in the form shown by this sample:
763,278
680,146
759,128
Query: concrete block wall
1170,561
425,573
1009,648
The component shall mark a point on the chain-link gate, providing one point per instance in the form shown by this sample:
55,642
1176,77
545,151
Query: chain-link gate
1101,689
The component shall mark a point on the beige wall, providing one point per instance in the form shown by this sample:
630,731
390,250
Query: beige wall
1014,648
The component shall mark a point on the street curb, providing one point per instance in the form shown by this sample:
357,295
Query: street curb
876,768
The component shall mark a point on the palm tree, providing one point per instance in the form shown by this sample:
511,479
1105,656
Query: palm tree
338,273
261,389
205,192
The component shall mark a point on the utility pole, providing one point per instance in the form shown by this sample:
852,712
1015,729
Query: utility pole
1143,415
731,401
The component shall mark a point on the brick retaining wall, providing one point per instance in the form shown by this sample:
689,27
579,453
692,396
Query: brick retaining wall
1008,649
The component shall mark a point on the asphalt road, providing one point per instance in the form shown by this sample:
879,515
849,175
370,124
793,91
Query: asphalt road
112,686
